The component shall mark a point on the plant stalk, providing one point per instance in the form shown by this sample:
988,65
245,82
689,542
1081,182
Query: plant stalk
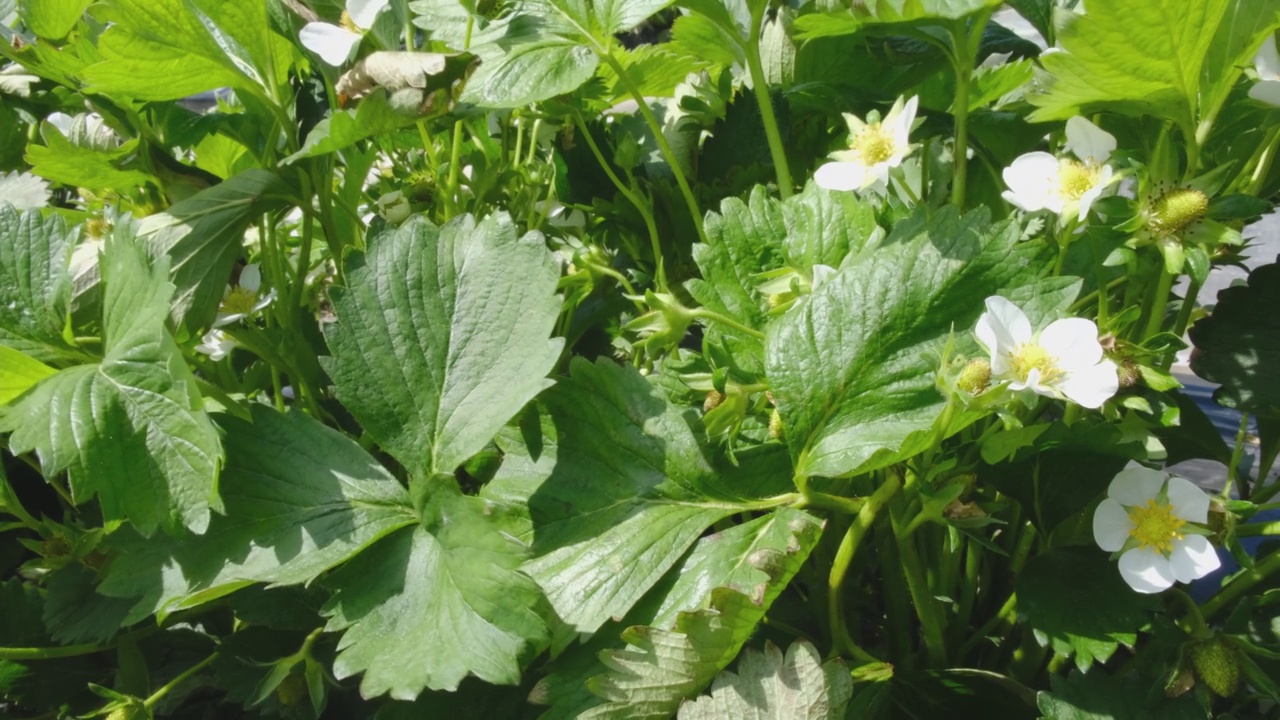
858,529
760,86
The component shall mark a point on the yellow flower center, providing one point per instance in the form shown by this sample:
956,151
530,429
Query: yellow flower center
1075,178
347,23
1155,526
1030,356
873,145
238,301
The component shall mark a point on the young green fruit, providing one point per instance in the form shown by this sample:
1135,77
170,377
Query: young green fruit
975,377
775,425
1215,664
1175,210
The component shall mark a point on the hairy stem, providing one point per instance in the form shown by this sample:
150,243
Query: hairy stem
858,529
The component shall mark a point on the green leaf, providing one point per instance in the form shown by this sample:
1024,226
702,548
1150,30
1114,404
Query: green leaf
344,128
442,336
52,19
618,487
1242,29
797,686
169,49
300,499
1098,696
35,289
204,235
655,70
129,429
1240,347
1108,66
660,668
531,72
717,43
75,613
853,367
75,165
743,240
825,227
19,373
1075,601
1039,13
895,11
431,604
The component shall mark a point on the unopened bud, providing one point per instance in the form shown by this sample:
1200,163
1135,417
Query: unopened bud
1175,210
1216,666
976,377
775,425
394,207
712,401
292,690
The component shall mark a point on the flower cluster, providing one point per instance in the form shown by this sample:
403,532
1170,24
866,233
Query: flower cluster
1064,186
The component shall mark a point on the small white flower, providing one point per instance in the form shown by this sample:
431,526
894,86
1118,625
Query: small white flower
1267,63
242,300
394,207
1064,360
1040,181
1145,518
336,43
560,216
215,344
873,151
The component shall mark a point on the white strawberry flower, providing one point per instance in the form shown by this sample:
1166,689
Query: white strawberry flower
1147,517
243,299
394,207
1267,63
1064,186
874,150
336,43
1064,360
215,344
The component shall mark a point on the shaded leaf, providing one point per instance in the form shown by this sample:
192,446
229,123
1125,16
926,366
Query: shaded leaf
1239,347
797,686
1098,696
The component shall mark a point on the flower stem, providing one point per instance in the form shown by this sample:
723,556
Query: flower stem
187,674
760,87
858,529
927,609
714,316
1100,276
1233,466
1258,529
1199,629
1240,584
826,501
998,624
964,40
1159,301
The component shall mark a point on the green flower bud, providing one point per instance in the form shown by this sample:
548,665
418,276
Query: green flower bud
975,377
663,327
775,425
293,690
1175,210
1215,664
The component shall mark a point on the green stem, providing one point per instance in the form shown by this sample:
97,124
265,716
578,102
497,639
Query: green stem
714,316
187,674
1022,550
858,529
66,651
963,41
1199,629
1233,467
453,197
760,87
1100,276
1258,529
927,609
826,501
1240,584
1266,156
1188,306
999,624
655,127
1159,301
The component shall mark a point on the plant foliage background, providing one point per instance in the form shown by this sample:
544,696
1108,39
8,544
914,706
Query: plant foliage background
635,359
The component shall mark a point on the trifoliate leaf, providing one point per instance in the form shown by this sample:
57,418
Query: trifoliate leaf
433,603
35,289
204,235
1075,600
130,429
23,191
661,668
824,227
300,498
68,163
1105,65
797,686
618,487
1240,347
443,335
853,366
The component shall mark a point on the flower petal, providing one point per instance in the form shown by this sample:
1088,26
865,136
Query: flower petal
1193,557
841,176
1111,525
1093,386
364,12
1088,141
1003,327
251,277
1267,61
1146,570
333,44
901,126
1073,342
1032,179
1135,485
1267,91
1188,501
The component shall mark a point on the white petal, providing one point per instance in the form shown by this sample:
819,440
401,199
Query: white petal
1146,571
1193,557
364,12
251,277
1088,141
1111,525
1267,91
62,121
332,43
1188,501
1073,341
1135,485
1032,181
1267,61
901,127
1093,386
1003,327
841,176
